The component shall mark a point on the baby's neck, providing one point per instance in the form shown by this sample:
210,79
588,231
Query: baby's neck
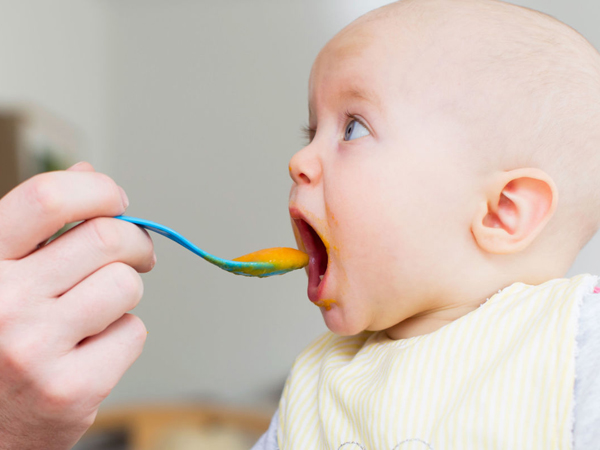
428,322
458,303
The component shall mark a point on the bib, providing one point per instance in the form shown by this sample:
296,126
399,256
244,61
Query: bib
500,377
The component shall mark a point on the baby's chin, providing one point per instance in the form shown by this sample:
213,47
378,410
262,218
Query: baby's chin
341,323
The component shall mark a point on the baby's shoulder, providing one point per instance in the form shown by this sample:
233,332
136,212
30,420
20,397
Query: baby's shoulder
587,367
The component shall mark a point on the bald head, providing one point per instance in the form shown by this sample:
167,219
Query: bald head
524,87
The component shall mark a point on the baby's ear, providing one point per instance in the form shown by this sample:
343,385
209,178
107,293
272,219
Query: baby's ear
518,205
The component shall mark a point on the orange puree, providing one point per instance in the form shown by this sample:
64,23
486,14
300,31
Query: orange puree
281,257
326,304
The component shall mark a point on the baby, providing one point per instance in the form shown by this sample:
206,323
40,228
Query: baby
450,180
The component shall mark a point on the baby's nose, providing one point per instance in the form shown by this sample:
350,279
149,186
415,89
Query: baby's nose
305,167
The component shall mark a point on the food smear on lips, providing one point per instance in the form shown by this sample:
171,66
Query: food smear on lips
325,304
282,259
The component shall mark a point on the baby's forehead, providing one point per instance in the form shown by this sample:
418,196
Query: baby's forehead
453,55
381,63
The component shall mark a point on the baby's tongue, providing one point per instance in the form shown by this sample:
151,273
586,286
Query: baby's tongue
317,266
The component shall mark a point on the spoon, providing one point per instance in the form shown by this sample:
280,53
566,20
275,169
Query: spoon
263,263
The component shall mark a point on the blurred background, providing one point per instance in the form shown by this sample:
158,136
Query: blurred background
195,108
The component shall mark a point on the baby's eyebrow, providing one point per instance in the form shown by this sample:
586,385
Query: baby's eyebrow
354,92
360,94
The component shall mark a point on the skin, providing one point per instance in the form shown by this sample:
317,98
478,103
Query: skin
65,335
419,231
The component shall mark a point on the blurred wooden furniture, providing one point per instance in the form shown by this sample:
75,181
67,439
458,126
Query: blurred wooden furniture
33,140
9,165
146,425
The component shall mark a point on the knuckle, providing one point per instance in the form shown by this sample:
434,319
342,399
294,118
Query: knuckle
62,393
43,191
88,420
128,280
105,235
8,315
19,357
100,393
11,306
14,363
56,395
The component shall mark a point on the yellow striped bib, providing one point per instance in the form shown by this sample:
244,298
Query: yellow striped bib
500,377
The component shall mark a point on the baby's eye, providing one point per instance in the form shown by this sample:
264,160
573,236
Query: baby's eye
355,130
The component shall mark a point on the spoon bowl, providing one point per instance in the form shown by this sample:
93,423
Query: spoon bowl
263,263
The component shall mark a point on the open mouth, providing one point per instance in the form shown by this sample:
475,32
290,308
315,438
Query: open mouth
317,254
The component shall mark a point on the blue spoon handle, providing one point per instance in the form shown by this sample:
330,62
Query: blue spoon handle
237,267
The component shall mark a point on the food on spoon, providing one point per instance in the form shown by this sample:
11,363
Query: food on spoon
280,258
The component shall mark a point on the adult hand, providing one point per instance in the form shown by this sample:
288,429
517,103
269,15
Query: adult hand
65,337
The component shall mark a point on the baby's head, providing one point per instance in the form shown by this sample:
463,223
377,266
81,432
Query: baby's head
454,150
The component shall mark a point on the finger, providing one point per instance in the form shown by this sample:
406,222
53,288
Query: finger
36,209
79,167
103,359
99,300
83,250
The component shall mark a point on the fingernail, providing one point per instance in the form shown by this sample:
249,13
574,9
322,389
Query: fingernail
124,198
153,260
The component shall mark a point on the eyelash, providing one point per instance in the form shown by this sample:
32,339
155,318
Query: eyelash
309,133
